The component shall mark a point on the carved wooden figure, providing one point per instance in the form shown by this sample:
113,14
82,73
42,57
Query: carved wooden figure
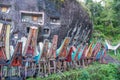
30,51
52,55
4,46
16,60
62,54
43,59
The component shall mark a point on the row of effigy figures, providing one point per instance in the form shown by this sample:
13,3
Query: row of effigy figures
31,59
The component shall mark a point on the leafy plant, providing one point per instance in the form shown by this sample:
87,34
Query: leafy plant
93,72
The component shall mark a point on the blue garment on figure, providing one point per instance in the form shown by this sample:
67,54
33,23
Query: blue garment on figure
100,53
57,52
37,58
73,55
80,53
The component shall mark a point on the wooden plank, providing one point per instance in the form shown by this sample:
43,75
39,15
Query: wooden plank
52,53
7,46
27,42
34,41
1,25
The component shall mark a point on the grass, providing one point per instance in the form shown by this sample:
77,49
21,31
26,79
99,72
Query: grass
95,71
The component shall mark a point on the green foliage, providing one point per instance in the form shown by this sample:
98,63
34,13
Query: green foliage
84,75
93,72
118,73
105,18
85,8
103,72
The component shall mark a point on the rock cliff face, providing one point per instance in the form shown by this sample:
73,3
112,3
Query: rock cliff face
76,22
70,19
26,5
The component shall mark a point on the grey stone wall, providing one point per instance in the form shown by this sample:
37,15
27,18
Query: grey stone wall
71,15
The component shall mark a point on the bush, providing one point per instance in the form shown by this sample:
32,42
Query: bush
93,72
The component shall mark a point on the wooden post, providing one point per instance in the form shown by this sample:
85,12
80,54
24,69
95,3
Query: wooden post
25,72
1,72
19,71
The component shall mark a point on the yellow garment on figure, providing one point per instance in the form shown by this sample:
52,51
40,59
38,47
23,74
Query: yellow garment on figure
89,52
